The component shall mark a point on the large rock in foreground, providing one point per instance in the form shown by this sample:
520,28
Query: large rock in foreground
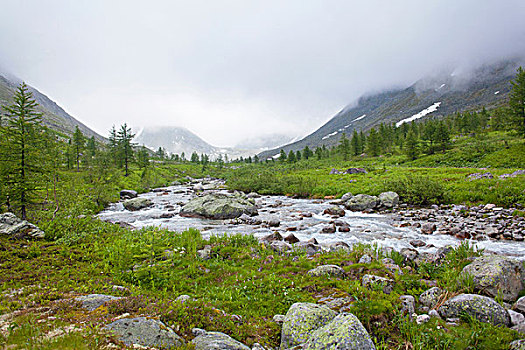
146,332
137,203
362,202
482,308
217,341
301,320
219,206
496,275
345,332
14,227
388,199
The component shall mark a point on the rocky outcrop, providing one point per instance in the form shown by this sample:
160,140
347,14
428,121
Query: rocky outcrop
146,332
219,206
496,276
327,270
137,203
430,297
344,332
362,202
301,320
94,301
12,226
480,307
217,341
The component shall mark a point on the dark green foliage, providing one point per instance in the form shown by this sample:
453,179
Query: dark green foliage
517,102
418,190
411,146
78,143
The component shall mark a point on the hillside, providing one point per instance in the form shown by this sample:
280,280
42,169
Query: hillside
53,115
439,95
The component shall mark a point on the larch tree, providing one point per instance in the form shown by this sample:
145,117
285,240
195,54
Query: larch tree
22,151
517,101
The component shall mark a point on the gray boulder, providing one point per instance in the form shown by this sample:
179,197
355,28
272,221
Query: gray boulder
362,202
128,194
344,332
408,305
217,341
327,270
517,345
137,203
219,206
12,226
480,307
146,332
496,275
520,305
301,320
430,297
93,301
346,196
388,199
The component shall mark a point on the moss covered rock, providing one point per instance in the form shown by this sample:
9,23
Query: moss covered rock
496,275
137,203
217,341
301,320
219,206
362,202
480,307
344,332
327,270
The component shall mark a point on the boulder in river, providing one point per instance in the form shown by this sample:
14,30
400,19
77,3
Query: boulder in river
495,275
362,202
482,308
219,206
128,194
14,227
137,203
388,199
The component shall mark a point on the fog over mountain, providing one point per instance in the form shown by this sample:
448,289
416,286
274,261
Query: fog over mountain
235,70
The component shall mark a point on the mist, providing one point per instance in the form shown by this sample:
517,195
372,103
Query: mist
232,70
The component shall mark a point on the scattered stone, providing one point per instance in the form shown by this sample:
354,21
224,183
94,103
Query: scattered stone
291,239
388,199
409,254
346,196
479,176
12,226
217,341
344,228
417,243
273,223
183,298
137,203
496,276
430,297
327,270
516,319
520,305
428,228
198,331
371,281
517,345
328,229
365,259
146,332
94,301
280,246
483,308
408,305
344,332
276,236
308,247
301,320
362,202
434,314
278,319
424,318
205,253
128,194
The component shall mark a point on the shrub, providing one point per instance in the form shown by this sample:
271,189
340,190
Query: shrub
418,190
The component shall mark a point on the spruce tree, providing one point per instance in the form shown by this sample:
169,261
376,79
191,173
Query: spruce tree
517,101
282,156
291,157
373,143
344,147
125,146
411,145
22,151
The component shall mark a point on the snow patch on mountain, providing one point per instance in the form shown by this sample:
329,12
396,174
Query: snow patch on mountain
421,114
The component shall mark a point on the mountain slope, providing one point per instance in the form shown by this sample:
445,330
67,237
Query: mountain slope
440,95
52,114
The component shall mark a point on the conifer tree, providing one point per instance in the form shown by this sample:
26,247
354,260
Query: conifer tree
517,101
282,156
22,151
291,157
344,147
307,153
373,143
78,142
91,147
125,146
142,157
411,145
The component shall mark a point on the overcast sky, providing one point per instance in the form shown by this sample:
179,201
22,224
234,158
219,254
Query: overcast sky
228,70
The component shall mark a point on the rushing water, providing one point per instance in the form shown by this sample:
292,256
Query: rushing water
364,228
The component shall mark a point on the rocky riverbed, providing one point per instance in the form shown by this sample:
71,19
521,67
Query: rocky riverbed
328,222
